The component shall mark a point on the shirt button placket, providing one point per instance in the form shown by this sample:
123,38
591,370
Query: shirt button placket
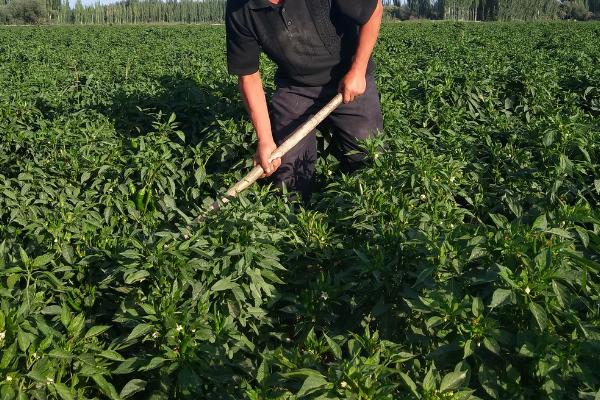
287,21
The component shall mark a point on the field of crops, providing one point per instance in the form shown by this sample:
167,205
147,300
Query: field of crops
463,263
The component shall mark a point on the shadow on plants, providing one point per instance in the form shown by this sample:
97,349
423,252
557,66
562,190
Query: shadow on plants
197,108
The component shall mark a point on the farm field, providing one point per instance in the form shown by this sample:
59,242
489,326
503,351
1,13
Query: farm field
462,264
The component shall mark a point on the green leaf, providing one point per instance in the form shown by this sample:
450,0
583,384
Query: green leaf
107,388
223,284
23,255
312,384
271,276
499,220
8,354
492,345
41,370
96,330
138,331
502,297
170,202
154,363
42,260
67,253
527,350
131,254
200,175
429,383
132,387
65,315
541,223
410,383
334,347
548,138
63,391
539,314
261,372
477,252
561,232
477,306
469,348
561,292
61,354
24,340
137,276
453,381
302,373
111,355
84,177
76,325
583,235
515,207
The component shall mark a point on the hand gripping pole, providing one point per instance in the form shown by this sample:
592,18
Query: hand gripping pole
295,138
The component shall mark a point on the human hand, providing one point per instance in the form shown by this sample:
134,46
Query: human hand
263,153
353,84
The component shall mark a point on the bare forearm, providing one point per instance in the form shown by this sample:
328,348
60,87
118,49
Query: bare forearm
366,40
255,101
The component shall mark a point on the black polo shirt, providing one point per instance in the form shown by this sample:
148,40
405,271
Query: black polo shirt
310,48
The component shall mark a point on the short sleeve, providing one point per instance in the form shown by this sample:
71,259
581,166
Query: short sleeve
243,50
360,11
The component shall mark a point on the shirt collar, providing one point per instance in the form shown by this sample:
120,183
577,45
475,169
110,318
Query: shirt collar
258,4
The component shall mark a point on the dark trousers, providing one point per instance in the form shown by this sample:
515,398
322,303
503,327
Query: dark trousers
293,105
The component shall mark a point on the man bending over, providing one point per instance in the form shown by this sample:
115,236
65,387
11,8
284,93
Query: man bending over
321,48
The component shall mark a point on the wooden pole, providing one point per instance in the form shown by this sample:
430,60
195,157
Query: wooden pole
295,138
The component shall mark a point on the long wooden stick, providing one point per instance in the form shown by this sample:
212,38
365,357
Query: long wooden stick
286,146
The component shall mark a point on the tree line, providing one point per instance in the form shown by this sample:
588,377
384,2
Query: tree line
122,12
493,10
212,11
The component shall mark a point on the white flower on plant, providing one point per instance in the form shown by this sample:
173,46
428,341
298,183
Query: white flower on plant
49,380
9,378
55,240
186,237
155,335
527,290
2,335
423,197
344,384
179,328
324,296
452,179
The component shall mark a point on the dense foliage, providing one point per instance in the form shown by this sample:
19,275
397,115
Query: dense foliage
463,263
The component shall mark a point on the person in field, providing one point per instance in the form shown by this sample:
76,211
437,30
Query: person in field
321,47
